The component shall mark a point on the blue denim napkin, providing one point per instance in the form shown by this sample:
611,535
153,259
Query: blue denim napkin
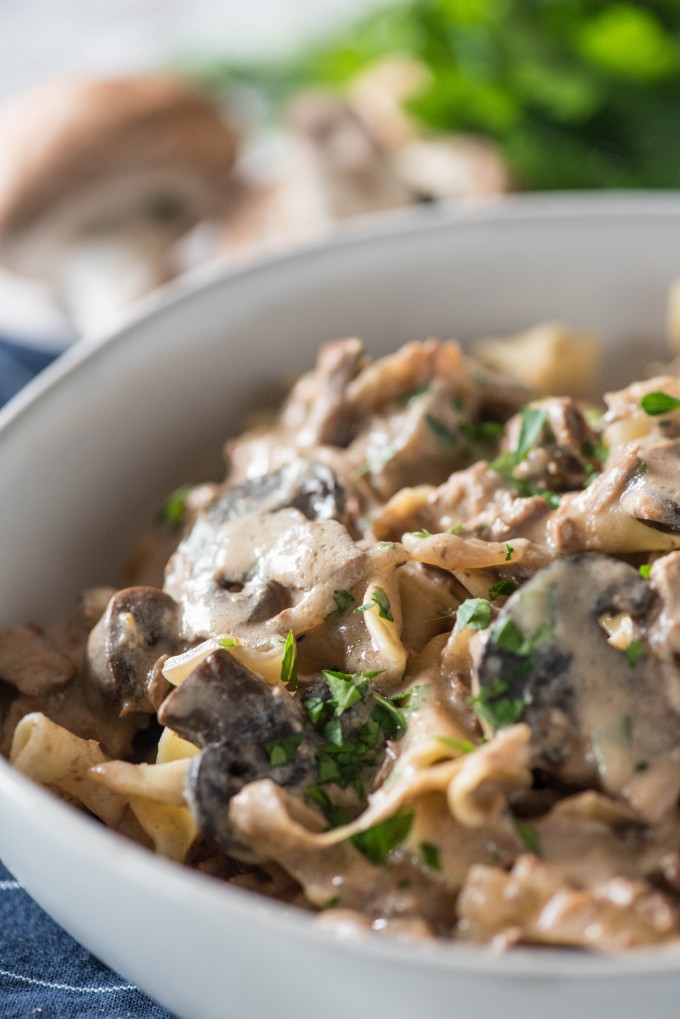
45,974
18,364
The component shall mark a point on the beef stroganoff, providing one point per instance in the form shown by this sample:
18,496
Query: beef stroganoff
413,665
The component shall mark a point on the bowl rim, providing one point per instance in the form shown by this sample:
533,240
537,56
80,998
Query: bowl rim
137,863
548,208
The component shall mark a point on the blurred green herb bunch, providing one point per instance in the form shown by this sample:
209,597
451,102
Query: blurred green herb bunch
575,93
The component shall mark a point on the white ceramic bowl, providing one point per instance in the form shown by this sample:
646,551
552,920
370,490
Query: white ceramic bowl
88,451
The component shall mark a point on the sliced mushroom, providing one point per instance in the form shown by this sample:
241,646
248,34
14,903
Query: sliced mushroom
305,485
100,178
653,492
126,648
238,720
266,556
598,712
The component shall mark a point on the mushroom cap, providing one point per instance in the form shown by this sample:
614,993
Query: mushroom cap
152,142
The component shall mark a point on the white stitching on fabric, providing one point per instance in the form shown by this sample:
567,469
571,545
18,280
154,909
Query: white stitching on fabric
67,987
9,886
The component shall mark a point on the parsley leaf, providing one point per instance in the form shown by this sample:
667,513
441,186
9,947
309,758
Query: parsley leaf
412,394
528,835
462,745
496,710
444,435
174,508
635,651
485,431
343,600
533,420
645,570
380,599
508,552
659,403
289,662
389,717
431,855
282,751
226,642
378,842
532,424
507,636
333,814
346,689
475,613
502,589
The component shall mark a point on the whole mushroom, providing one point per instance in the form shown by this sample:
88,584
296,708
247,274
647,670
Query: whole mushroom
100,178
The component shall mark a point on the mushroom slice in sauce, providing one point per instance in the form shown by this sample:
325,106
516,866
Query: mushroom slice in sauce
140,626
305,485
246,728
652,495
599,713
262,574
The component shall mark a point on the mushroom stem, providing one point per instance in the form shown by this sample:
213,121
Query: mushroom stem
99,275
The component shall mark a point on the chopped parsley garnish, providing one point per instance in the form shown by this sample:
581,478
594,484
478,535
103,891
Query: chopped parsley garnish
552,498
645,570
502,589
342,765
507,636
510,638
424,533
282,751
289,662
226,642
462,745
389,717
332,732
485,431
457,529
635,651
385,544
316,708
412,394
413,699
380,599
343,600
333,814
496,710
342,761
444,435
175,506
659,403
641,766
528,835
594,450
475,613
431,855
378,842
508,552
345,689
533,420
